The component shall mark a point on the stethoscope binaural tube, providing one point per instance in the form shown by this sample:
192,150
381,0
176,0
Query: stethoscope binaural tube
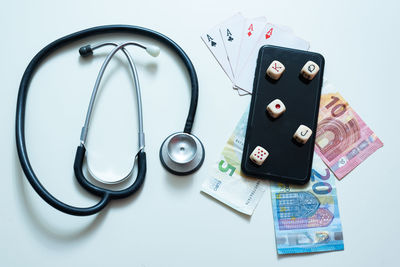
135,76
83,181
88,50
105,194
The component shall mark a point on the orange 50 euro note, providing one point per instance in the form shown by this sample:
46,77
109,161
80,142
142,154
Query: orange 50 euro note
343,139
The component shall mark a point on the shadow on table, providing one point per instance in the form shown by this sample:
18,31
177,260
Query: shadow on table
42,224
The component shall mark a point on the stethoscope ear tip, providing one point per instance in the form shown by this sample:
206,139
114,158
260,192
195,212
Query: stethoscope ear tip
182,153
86,51
153,51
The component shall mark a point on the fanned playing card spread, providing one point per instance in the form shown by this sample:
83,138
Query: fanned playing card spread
235,43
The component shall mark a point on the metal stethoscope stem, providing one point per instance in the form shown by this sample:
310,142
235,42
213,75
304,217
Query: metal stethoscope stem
135,76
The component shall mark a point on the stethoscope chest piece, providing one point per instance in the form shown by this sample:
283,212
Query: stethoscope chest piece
182,153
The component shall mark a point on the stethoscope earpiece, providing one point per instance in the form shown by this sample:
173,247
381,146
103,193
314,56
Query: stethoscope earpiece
182,153
153,51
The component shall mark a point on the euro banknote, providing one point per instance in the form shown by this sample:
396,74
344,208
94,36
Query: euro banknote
343,140
306,218
226,182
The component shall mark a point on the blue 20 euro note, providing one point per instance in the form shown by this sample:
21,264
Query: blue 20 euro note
306,218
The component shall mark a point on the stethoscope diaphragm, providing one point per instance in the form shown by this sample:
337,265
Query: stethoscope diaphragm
182,153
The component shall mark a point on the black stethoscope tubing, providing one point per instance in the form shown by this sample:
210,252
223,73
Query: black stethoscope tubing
105,194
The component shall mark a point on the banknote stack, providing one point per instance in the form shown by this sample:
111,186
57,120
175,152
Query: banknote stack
306,218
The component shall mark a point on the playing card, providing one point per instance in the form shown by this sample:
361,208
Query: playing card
271,35
214,42
231,33
285,28
241,92
252,30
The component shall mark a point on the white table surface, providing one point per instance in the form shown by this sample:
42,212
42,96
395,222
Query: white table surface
169,222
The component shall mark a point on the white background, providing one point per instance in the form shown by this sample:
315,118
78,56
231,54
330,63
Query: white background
169,222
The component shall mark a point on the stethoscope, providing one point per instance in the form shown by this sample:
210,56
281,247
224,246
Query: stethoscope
181,153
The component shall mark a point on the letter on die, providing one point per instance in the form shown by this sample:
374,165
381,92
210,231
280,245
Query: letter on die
302,134
309,70
275,70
